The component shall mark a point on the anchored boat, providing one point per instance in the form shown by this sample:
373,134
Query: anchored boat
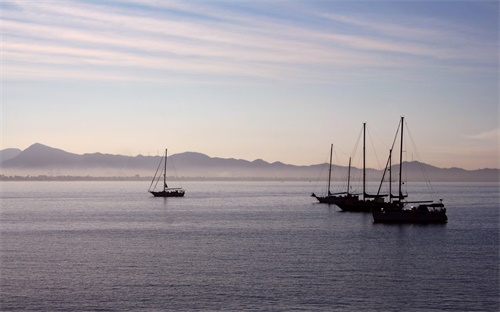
397,212
330,198
166,191
367,202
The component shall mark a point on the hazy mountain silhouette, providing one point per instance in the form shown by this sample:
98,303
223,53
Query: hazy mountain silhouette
9,153
41,159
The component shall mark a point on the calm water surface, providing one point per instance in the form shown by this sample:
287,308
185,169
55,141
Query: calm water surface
110,246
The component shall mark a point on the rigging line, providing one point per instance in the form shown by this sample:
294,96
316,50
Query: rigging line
405,168
175,171
155,176
159,176
421,165
157,180
336,157
356,175
389,158
320,173
357,143
318,178
374,151
343,173
383,174
335,149
395,137
340,177
371,131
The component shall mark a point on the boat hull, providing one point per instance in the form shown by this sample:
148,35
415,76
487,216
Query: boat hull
354,204
174,193
410,216
331,199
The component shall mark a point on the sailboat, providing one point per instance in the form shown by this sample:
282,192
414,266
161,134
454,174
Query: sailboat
426,211
330,198
368,202
167,191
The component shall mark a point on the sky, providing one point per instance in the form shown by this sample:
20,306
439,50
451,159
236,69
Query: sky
278,81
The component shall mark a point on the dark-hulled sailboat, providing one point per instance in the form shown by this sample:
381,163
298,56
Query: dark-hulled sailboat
367,202
166,191
330,198
425,212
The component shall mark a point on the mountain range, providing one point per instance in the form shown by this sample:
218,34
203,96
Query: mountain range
39,159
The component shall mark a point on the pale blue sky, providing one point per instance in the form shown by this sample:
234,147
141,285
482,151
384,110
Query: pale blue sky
251,79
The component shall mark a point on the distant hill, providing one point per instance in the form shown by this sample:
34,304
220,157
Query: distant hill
39,159
9,153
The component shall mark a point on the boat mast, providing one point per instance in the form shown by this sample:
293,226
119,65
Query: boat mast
165,172
401,164
330,170
348,175
390,175
364,160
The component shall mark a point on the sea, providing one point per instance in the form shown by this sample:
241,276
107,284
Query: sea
239,246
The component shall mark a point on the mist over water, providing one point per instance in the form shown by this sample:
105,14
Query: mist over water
239,246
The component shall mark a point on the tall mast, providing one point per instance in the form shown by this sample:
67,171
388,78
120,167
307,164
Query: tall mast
348,175
401,163
165,172
330,171
364,164
390,175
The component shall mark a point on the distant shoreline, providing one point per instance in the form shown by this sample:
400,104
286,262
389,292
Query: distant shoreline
138,178
43,163
45,178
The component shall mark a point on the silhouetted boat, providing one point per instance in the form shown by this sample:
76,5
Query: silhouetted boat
426,212
330,198
167,191
367,202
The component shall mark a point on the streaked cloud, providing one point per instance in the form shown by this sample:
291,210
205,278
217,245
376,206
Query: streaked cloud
492,135
199,38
